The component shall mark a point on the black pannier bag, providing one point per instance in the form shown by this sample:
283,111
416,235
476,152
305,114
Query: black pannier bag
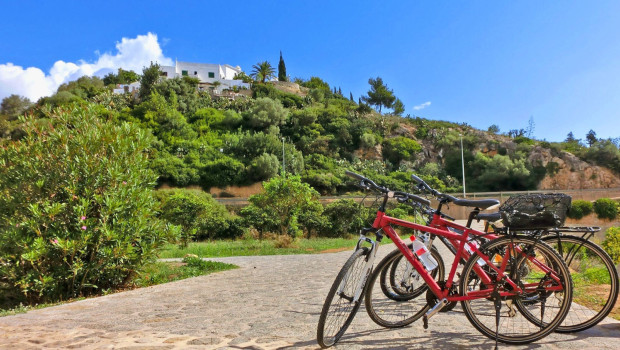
535,211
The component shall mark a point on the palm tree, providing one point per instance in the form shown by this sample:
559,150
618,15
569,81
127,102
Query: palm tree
216,84
263,71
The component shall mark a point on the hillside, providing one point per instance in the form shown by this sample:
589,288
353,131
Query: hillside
212,141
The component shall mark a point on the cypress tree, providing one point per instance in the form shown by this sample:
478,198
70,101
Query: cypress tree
351,96
282,69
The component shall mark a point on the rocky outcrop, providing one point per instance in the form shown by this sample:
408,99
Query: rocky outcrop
566,171
290,87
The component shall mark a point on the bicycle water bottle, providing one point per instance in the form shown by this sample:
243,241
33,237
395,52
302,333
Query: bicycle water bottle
424,255
471,251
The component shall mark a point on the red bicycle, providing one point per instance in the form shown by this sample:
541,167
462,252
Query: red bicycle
526,274
596,287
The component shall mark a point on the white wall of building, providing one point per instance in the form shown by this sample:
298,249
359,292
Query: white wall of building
206,73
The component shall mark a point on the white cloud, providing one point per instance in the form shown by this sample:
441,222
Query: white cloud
422,106
132,54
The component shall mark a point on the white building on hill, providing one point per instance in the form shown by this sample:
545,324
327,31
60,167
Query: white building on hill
207,74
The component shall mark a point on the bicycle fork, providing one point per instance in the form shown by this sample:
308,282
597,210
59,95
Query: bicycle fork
359,290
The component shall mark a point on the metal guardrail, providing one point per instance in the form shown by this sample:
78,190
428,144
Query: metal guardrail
587,194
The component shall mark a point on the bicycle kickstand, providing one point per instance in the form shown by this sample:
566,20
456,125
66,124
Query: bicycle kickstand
497,303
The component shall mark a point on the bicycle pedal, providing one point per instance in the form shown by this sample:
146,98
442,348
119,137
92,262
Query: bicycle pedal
435,309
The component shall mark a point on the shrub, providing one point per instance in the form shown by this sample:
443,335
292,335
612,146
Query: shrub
579,209
76,210
200,216
266,112
611,244
223,171
311,219
606,208
400,148
278,207
345,217
368,140
264,167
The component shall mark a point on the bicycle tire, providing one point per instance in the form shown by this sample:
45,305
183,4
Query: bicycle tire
389,308
338,311
524,326
587,275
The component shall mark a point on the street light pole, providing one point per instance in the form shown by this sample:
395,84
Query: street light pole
283,161
463,165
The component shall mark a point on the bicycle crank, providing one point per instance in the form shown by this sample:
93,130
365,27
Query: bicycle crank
435,309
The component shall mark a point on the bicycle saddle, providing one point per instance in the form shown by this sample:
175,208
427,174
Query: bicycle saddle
490,217
477,203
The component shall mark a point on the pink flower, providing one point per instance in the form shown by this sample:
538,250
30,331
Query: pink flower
124,182
54,241
83,228
83,218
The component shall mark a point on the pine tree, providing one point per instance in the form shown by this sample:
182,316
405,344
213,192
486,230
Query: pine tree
591,138
282,69
379,94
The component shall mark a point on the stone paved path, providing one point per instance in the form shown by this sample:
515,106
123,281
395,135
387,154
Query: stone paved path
270,302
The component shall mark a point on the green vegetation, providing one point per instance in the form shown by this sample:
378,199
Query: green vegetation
280,207
580,208
163,272
76,212
151,274
262,71
282,69
606,208
199,215
250,247
611,244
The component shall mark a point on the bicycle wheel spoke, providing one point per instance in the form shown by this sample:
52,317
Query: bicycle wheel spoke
339,308
527,316
595,282
396,295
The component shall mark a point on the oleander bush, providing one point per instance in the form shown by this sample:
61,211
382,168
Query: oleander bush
611,244
77,215
606,208
579,209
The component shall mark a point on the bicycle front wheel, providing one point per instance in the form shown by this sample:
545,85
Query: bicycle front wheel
595,281
339,308
396,293
524,317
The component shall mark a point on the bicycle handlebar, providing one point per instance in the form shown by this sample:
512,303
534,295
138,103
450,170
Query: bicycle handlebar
402,197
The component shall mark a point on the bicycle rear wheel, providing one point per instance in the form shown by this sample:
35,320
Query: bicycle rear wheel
395,293
595,281
527,317
339,308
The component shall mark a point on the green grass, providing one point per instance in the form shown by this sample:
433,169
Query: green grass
246,247
163,272
22,309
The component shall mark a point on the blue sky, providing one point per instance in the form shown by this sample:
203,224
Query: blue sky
478,62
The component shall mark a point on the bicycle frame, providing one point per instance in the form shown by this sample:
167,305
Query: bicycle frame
384,223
